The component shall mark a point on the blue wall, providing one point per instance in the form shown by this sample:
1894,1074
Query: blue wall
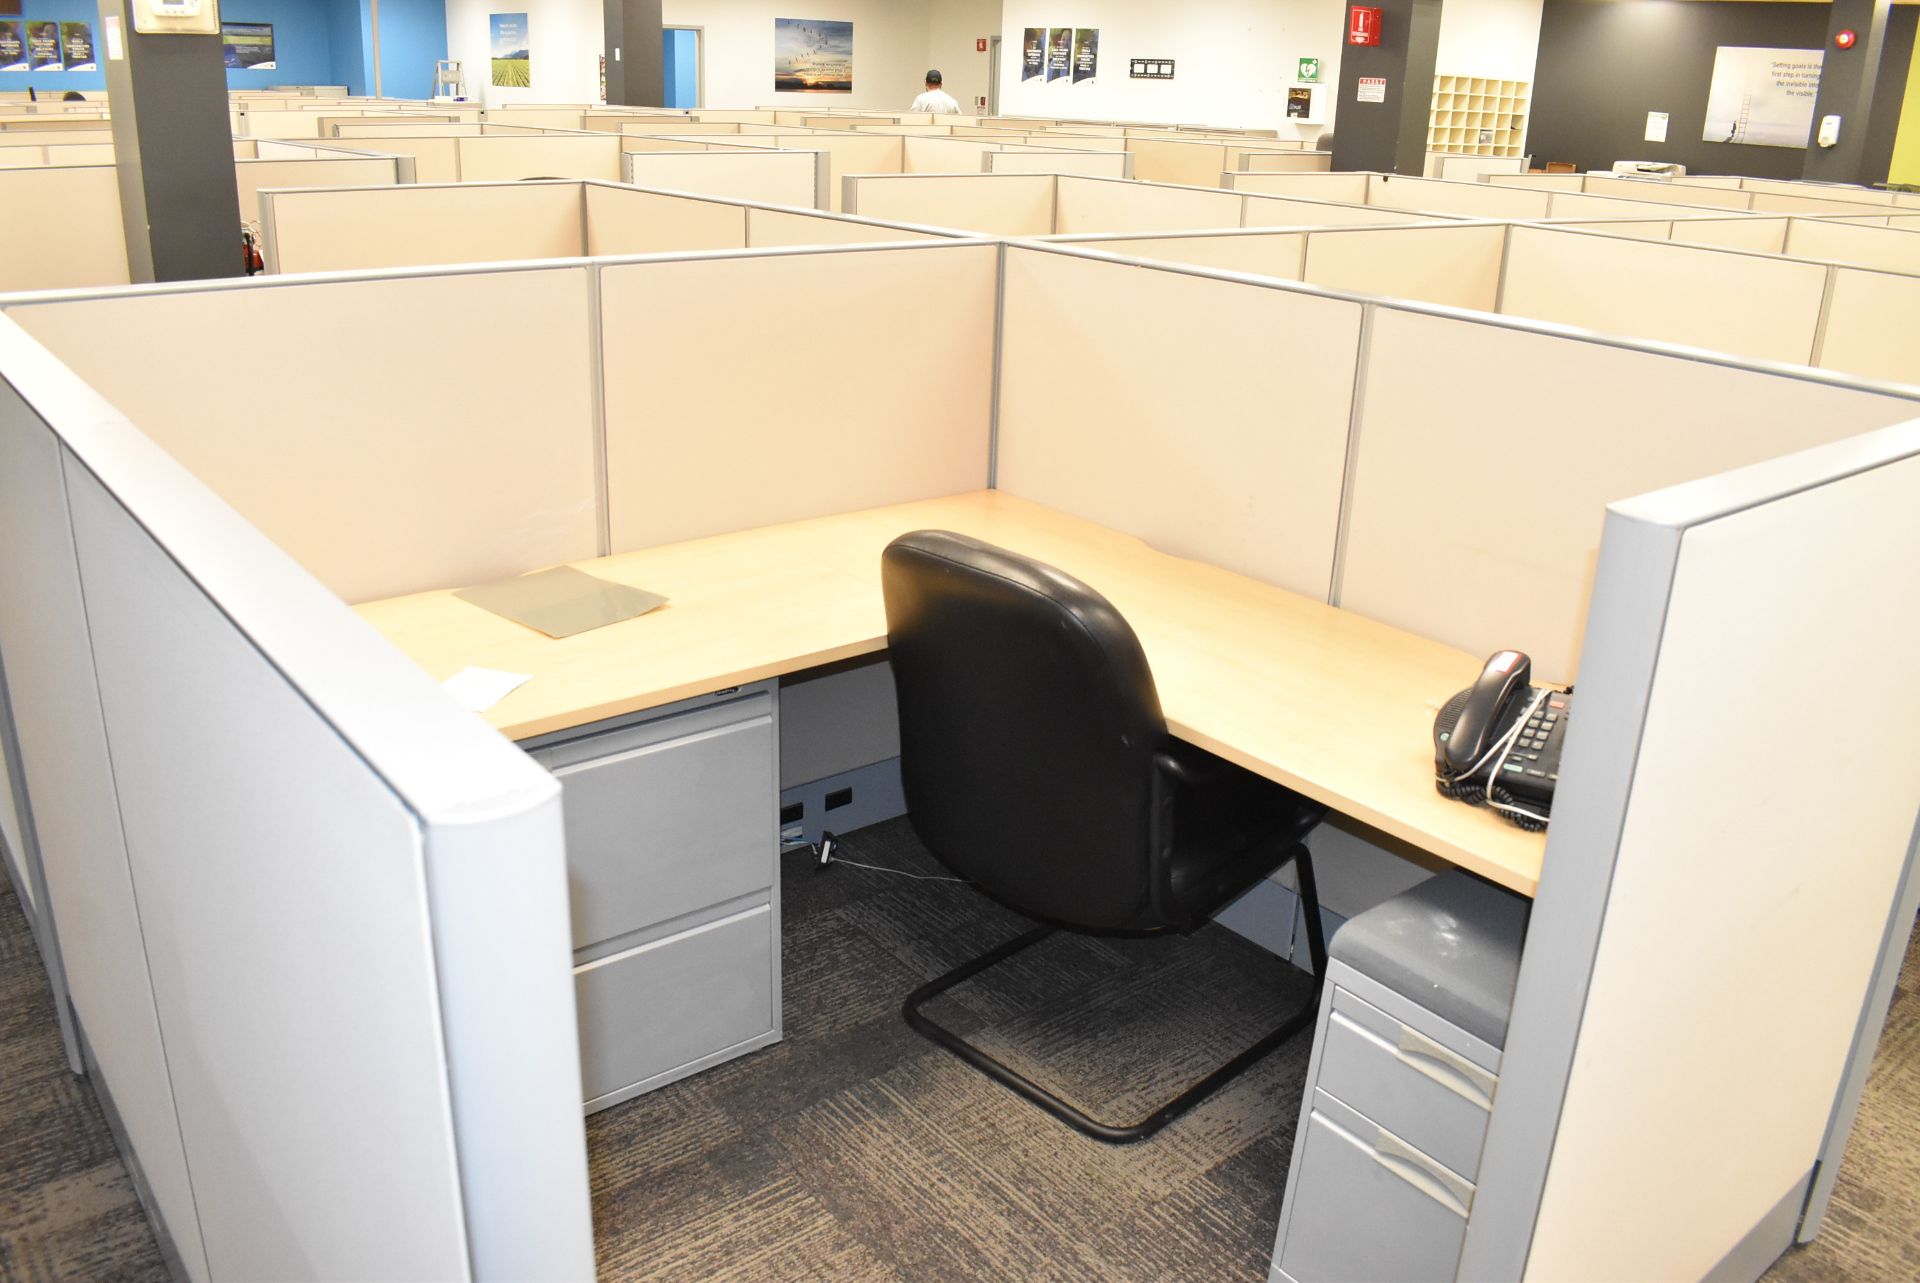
682,53
413,36
316,42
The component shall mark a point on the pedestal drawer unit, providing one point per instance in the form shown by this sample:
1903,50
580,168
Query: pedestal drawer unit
1405,1066
672,819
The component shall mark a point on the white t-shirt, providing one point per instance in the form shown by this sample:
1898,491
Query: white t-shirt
937,101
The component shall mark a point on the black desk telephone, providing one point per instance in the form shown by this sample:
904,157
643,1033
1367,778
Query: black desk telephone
1497,743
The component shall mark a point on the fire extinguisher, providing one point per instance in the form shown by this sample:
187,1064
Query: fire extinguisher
250,251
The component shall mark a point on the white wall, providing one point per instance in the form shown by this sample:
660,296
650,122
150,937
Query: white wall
952,28
1494,38
565,38
889,49
1234,59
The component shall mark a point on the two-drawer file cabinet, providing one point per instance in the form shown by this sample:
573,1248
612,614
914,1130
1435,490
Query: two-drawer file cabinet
672,820
1406,1061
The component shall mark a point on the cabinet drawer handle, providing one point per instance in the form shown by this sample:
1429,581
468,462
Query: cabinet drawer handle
1454,1072
1416,1170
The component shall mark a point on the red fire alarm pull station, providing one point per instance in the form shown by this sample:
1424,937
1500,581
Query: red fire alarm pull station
1363,25
1844,39
980,45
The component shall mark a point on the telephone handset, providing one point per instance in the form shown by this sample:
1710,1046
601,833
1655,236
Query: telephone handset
1497,743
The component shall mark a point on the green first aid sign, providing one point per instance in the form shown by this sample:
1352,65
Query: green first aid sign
1309,69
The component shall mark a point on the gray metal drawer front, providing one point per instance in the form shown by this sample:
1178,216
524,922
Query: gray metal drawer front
1435,1098
665,1004
667,817
1374,1210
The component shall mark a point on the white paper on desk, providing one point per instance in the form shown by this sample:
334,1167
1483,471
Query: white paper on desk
481,688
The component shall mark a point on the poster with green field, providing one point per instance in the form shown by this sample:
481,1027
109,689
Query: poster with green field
512,64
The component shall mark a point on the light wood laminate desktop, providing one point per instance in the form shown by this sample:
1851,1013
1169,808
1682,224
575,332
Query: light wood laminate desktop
1334,705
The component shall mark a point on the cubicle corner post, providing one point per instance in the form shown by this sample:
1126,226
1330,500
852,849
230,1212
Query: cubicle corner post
1631,587
1621,1088
497,891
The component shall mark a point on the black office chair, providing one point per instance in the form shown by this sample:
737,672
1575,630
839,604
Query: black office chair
1037,764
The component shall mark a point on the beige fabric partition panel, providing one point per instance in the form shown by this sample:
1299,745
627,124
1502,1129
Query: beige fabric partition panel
1092,205
904,415
1888,248
998,204
435,160
1348,189
848,153
1284,211
1105,380
1666,193
1633,228
254,175
1543,182
768,228
1746,304
1438,196
1579,205
1275,254
393,436
1573,426
408,226
1870,325
621,220
1457,266
942,156
1194,164
1761,235
1088,164
1295,162
769,177
1783,203
348,130
62,228
550,156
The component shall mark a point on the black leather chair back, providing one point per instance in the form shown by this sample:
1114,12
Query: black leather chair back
1028,725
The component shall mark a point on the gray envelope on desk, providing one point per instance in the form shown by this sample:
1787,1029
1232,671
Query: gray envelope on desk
562,601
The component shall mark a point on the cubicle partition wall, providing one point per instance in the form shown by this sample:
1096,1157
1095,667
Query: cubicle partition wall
787,177
230,776
344,229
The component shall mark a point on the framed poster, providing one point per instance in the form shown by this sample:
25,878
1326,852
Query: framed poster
76,46
508,47
1763,97
1059,53
1033,54
43,46
1086,53
248,45
812,57
13,44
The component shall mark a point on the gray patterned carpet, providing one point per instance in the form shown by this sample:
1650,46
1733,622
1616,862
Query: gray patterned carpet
856,1151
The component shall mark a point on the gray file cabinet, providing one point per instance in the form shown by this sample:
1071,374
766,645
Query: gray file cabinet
1405,1064
672,865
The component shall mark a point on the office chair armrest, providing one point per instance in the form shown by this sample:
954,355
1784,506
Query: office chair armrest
1196,766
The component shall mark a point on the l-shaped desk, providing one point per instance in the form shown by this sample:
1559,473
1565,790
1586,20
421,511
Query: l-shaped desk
1331,704
664,731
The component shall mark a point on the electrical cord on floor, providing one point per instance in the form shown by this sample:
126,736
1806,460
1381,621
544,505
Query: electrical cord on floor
825,858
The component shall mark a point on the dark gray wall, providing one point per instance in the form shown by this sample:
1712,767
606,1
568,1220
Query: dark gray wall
638,77
1604,64
1389,136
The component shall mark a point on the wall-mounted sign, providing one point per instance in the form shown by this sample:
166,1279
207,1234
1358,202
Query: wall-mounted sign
248,45
76,46
1845,38
1059,53
43,46
1309,70
13,45
1086,53
1033,53
980,45
812,56
1303,103
1762,96
1363,25
1372,89
510,52
1656,126
1150,68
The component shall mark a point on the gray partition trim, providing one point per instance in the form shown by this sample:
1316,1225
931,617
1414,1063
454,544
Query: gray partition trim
1630,593
1749,1258
170,1254
1873,1020
1632,587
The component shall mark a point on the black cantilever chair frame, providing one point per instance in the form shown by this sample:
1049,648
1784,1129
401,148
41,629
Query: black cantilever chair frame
1036,763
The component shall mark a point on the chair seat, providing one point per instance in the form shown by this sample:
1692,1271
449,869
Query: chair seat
1231,829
